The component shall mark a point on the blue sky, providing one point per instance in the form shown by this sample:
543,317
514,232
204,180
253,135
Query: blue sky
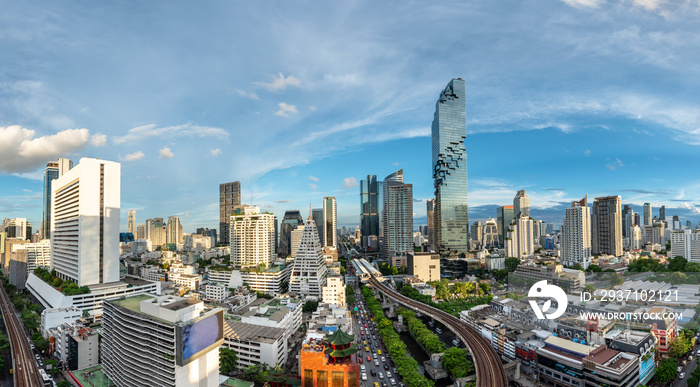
300,100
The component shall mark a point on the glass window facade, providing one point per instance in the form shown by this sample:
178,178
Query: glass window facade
370,191
50,175
449,131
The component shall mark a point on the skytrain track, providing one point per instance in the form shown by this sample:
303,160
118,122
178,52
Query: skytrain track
489,369
25,371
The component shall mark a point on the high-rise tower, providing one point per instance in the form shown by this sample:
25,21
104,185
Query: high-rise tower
449,130
521,204
132,222
309,272
576,235
647,214
54,170
330,222
370,204
229,197
606,226
397,217
252,237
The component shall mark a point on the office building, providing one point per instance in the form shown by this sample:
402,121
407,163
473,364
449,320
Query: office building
627,220
269,281
504,216
606,226
476,231
173,232
161,341
309,271
290,221
519,240
397,217
256,344
296,238
489,238
53,171
676,225
686,244
330,362
317,216
85,222
252,237
430,208
131,225
521,204
567,279
19,228
38,254
330,222
75,345
449,161
647,214
334,291
662,213
424,266
229,197
576,235
370,204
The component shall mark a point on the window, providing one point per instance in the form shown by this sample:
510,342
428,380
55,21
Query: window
308,378
352,379
338,379
321,378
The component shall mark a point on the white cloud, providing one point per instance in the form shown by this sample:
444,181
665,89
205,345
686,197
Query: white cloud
140,133
312,186
587,152
285,109
98,139
166,153
584,3
246,94
350,182
133,156
614,165
313,178
649,5
690,207
280,83
215,152
312,108
20,151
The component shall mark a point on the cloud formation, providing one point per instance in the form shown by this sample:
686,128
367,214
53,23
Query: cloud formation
286,109
98,139
143,132
166,153
215,152
21,151
133,156
350,182
312,186
280,83
313,178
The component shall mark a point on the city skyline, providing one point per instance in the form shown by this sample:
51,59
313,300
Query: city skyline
293,131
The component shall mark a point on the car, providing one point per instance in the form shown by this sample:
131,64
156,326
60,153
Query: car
367,350
698,352
682,375
365,325
376,362
393,382
690,358
364,376
362,367
396,372
455,342
438,331
376,384
359,360
374,355
679,369
384,384
381,375
386,367
388,374
369,358
383,359
373,372
379,352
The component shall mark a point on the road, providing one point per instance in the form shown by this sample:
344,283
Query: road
26,372
688,369
489,369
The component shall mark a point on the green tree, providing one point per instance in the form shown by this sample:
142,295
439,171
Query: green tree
42,345
666,371
616,279
679,347
227,360
4,344
500,274
692,267
594,269
54,367
677,263
310,306
512,264
456,362
589,289
63,383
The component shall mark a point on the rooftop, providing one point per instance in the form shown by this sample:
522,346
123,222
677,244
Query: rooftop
133,303
237,330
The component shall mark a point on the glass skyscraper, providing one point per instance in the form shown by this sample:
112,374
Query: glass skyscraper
370,191
449,131
53,171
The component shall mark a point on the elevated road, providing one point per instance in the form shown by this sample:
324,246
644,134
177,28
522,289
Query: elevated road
24,366
489,369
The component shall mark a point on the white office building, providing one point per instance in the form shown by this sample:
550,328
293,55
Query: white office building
268,281
284,313
686,244
256,344
52,318
252,237
309,271
334,291
161,341
576,235
85,222
216,292
38,254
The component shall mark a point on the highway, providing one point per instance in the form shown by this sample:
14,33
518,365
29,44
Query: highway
26,372
489,369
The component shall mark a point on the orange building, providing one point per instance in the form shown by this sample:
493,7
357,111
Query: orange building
330,362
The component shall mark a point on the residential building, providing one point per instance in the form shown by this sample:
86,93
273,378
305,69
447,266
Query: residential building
424,266
85,223
284,313
627,220
189,281
74,344
309,271
334,291
155,231
370,216
52,318
317,216
269,281
295,239
290,221
495,263
161,341
131,225
476,231
504,216
635,238
606,226
686,244
38,254
430,207
252,237
216,292
519,240
53,171
647,214
229,197
576,235
521,204
662,213
397,217
330,222
196,242
173,231
141,231
331,361
568,279
256,344
449,161
655,234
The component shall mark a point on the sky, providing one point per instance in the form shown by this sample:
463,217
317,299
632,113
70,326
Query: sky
301,100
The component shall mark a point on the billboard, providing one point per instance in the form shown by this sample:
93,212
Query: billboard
199,337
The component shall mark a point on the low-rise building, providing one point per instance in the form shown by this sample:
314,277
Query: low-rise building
334,291
52,318
74,344
424,266
331,361
216,292
189,281
495,263
256,344
568,279
282,313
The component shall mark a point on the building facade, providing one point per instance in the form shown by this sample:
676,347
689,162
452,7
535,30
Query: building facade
229,197
290,221
686,244
330,222
252,237
397,217
576,235
504,215
424,266
519,240
131,225
606,226
309,272
370,216
53,171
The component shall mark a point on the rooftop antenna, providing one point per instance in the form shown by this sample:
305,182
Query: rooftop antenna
310,217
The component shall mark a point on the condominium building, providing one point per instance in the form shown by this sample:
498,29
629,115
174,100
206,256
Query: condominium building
173,231
334,291
627,220
161,341
38,254
309,271
424,266
85,222
131,225
606,226
521,204
75,345
686,244
655,234
576,235
216,292
647,214
449,164
504,216
252,237
229,197
397,217
189,281
53,171
330,222
519,240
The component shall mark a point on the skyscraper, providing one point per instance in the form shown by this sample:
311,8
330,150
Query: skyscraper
309,271
521,204
370,191
317,216
519,241
627,220
290,221
662,213
504,214
606,226
132,222
330,222
647,214
397,217
53,171
85,222
576,235
155,231
430,208
252,237
229,197
449,131
173,231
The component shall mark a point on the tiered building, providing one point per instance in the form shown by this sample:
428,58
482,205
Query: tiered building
309,271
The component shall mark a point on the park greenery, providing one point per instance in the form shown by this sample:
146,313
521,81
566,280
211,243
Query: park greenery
69,288
456,362
228,360
385,269
28,313
424,336
457,302
406,365
350,296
